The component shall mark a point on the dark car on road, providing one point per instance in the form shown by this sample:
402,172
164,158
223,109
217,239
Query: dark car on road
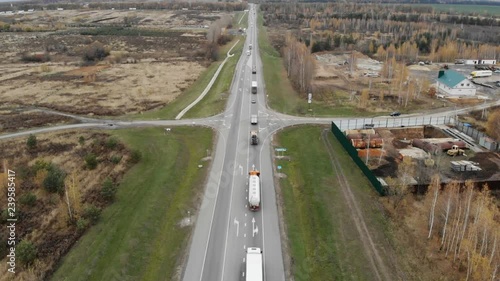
395,113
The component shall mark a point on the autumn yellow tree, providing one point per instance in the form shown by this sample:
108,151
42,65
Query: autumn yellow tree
493,125
365,97
73,196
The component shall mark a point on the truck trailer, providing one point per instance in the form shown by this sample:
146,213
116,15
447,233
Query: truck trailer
253,270
254,190
253,119
254,87
481,73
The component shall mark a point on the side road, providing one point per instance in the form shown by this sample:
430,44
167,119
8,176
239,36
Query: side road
209,86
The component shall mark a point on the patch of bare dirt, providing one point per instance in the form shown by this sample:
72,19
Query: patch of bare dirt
11,121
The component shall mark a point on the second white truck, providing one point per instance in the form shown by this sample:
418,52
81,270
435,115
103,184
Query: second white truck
254,190
253,271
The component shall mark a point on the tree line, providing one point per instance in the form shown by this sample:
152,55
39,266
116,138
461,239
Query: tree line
363,21
299,64
97,5
464,223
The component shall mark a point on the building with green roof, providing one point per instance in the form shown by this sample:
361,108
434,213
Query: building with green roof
452,83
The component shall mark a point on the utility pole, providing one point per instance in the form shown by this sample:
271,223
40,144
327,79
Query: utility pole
380,157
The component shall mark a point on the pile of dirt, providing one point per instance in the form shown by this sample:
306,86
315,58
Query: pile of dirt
488,162
407,133
389,169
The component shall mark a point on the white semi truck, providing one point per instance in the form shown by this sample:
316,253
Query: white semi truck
254,87
254,265
254,190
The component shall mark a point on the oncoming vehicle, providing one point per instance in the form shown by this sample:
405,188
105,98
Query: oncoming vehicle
395,113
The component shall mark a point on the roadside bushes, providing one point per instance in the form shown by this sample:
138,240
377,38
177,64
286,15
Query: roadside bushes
91,213
28,199
40,57
95,52
135,157
31,142
224,39
108,190
26,252
91,161
54,182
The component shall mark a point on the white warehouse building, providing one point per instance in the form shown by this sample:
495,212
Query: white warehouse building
454,84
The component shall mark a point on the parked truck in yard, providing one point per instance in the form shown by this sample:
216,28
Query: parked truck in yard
253,271
254,190
254,87
254,139
481,73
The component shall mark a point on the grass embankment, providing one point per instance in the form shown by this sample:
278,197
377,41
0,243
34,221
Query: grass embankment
139,237
244,21
214,101
282,96
322,237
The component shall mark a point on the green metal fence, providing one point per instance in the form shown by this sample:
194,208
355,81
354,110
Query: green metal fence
354,155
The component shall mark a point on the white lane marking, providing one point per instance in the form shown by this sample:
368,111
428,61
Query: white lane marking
237,223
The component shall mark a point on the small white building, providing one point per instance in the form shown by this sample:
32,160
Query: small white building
488,62
471,62
452,83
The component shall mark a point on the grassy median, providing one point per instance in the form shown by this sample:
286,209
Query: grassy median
139,237
322,239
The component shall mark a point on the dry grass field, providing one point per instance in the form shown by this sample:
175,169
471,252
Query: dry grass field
153,57
114,89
